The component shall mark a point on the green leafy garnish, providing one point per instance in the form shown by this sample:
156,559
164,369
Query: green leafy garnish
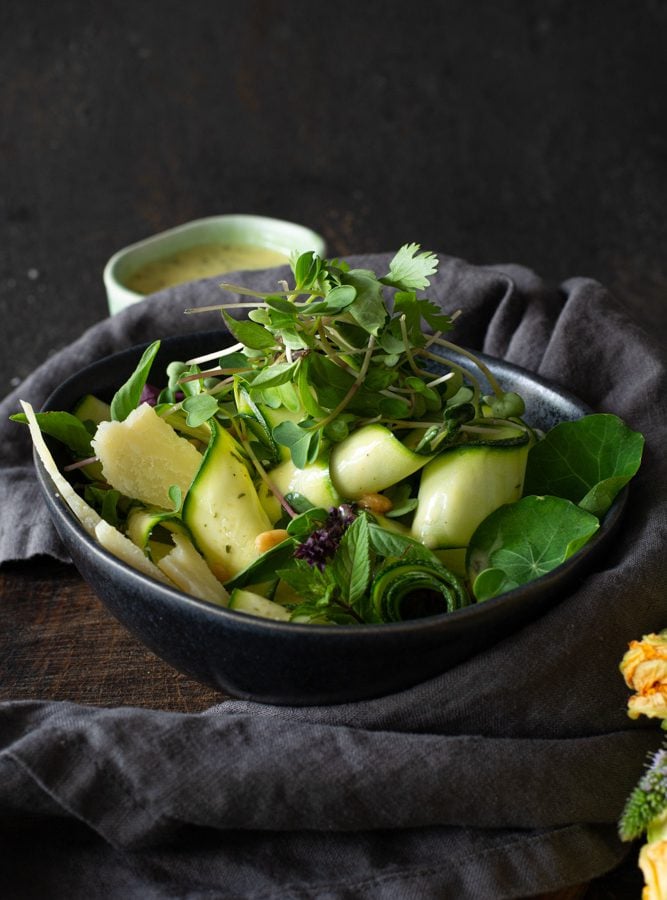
64,427
128,395
346,353
344,347
522,541
588,461
410,270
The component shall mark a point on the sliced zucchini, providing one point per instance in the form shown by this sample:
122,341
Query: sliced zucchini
462,486
313,482
255,605
370,460
92,409
222,509
262,419
142,521
453,558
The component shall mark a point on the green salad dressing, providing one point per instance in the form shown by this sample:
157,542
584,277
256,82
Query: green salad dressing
201,261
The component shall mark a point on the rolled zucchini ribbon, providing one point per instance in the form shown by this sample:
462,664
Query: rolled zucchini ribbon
412,589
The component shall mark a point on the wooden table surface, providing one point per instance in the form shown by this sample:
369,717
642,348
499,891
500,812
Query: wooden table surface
57,642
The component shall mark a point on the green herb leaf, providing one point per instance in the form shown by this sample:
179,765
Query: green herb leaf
176,497
199,409
352,564
303,444
305,523
275,375
522,541
391,543
308,581
64,427
263,569
336,301
306,270
105,501
369,309
587,461
128,395
250,334
410,270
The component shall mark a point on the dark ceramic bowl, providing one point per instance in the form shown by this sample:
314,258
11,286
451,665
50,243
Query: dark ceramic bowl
285,663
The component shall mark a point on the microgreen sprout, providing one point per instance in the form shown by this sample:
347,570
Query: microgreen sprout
354,347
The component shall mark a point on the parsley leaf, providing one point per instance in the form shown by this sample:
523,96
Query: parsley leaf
410,270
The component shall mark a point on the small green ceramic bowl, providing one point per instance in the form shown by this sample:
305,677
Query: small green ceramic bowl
203,248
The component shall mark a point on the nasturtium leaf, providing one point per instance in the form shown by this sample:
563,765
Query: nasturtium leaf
492,583
524,541
128,395
199,409
587,461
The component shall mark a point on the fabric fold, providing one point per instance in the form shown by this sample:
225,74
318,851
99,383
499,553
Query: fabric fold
129,774
500,778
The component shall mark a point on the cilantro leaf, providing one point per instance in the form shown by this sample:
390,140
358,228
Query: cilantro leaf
409,270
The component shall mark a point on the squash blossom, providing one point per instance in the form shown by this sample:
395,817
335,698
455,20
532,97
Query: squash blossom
644,668
653,861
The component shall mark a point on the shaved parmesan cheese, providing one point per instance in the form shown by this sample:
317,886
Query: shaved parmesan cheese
190,572
84,513
123,548
108,536
142,457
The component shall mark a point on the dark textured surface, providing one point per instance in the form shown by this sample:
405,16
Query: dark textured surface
532,134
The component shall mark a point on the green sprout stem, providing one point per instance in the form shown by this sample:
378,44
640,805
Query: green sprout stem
353,388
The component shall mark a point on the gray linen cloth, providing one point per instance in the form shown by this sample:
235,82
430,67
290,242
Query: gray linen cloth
502,778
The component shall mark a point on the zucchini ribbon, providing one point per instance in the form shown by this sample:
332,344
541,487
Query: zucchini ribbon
412,589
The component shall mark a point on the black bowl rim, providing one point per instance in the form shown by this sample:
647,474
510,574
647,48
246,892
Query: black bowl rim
472,611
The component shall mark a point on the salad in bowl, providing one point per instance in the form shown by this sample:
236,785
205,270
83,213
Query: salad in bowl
337,461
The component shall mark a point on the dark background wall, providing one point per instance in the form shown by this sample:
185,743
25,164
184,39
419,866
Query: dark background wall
512,131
